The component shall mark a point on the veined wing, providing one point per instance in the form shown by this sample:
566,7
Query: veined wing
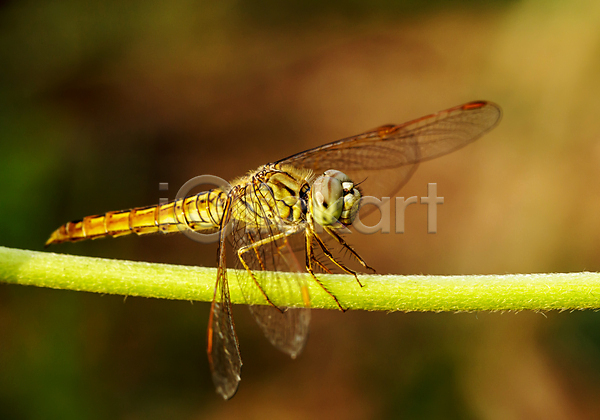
223,347
264,242
386,158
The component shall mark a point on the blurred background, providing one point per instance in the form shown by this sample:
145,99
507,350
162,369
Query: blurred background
99,102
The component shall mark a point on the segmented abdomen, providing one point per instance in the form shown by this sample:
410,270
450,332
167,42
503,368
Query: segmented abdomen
201,213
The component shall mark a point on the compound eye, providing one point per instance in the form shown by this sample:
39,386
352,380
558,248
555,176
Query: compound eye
333,173
328,199
347,183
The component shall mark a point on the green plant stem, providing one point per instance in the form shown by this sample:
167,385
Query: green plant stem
389,292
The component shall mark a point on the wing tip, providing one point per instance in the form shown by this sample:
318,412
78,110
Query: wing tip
474,105
480,104
228,392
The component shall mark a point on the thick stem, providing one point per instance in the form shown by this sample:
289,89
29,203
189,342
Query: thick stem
389,293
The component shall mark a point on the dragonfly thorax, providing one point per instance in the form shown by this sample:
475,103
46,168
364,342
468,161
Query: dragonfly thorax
335,199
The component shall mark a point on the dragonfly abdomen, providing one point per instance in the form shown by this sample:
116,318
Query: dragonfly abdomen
201,213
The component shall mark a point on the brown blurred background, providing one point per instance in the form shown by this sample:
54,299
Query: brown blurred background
101,102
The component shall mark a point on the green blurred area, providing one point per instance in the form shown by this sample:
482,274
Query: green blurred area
100,102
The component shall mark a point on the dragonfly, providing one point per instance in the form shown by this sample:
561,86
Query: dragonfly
287,216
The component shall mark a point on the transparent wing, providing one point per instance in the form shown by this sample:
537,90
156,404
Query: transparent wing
266,267
223,347
384,159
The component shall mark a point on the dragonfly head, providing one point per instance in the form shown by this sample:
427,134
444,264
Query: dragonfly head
334,199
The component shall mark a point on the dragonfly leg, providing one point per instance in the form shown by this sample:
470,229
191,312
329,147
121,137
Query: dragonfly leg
254,246
320,264
313,258
343,243
329,255
258,257
310,257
